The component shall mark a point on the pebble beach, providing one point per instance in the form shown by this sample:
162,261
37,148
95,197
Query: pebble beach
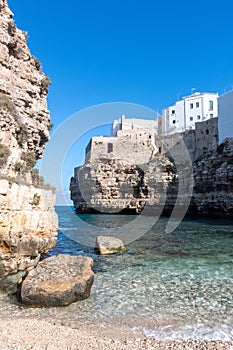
33,334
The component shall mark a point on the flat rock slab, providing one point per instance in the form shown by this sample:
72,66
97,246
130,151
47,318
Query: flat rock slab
109,245
58,281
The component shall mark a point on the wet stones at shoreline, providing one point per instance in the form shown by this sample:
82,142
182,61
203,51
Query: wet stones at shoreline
107,245
8,284
57,281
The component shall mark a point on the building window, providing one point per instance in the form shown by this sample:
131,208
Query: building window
110,147
191,105
197,104
191,119
211,105
174,121
173,111
198,117
211,116
207,132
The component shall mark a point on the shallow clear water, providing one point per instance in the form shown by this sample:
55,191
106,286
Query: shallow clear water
176,285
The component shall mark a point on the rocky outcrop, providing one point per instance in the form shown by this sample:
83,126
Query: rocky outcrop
106,245
213,175
28,223
114,186
25,119
58,281
28,226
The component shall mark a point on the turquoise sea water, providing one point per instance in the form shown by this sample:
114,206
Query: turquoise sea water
169,285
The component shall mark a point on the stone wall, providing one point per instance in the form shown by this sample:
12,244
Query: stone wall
202,140
135,146
225,114
206,134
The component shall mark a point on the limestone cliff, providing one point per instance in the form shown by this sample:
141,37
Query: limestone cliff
28,223
25,118
213,190
115,186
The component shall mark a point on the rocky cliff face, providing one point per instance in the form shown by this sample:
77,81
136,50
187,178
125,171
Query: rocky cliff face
115,186
25,119
213,175
28,226
28,223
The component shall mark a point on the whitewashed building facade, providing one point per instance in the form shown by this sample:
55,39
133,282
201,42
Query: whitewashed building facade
225,106
192,109
132,124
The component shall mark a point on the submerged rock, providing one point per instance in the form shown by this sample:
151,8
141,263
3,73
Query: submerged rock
109,245
58,281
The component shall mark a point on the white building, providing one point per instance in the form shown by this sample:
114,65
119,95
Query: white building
131,124
225,112
191,109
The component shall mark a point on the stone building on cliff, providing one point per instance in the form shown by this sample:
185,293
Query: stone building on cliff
138,140
132,140
225,112
140,166
187,112
194,119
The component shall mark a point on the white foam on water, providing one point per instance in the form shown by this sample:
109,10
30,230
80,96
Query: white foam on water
189,331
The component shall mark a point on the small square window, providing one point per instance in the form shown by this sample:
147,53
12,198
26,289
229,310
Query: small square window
191,119
198,117
191,105
110,147
197,104
174,121
211,105
211,116
173,111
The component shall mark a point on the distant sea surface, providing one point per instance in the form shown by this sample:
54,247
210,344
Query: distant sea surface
169,285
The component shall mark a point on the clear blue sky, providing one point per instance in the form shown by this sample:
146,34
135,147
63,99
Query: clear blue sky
145,52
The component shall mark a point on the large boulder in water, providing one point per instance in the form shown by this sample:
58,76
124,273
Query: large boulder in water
58,281
109,245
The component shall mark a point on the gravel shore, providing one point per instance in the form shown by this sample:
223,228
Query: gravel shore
32,334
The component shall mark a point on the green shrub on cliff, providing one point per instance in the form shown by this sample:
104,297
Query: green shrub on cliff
38,181
50,126
45,82
29,158
19,167
142,167
4,154
37,63
22,134
7,104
